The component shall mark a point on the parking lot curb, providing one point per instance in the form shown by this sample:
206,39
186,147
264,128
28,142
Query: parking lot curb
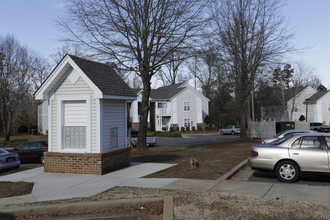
85,207
233,171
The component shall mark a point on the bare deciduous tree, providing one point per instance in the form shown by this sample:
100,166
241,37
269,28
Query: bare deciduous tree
170,74
14,79
252,33
39,70
139,34
205,67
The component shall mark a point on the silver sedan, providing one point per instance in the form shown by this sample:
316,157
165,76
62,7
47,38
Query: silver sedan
282,134
8,160
291,155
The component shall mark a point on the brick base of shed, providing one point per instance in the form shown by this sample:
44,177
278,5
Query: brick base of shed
88,163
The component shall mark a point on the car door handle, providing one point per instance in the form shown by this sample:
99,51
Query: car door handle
295,153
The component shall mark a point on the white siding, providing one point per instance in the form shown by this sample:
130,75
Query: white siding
113,119
75,113
68,88
186,96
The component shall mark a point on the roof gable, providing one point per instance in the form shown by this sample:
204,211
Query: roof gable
317,96
275,99
166,92
100,77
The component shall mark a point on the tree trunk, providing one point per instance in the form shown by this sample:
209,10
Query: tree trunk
142,145
243,119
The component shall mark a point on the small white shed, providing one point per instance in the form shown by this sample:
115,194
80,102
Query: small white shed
87,117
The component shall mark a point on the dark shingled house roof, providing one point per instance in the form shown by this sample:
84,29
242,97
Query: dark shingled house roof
104,77
275,99
166,92
317,96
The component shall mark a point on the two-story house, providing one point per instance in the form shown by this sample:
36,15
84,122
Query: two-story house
290,104
178,105
319,107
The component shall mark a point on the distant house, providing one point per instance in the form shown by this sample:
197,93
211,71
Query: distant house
319,107
87,117
294,102
178,105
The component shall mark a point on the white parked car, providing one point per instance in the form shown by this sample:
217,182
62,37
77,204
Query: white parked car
231,129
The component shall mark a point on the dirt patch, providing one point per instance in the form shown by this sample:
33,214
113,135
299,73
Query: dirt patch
208,205
9,189
214,159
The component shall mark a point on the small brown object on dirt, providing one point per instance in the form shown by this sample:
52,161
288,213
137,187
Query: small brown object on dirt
194,163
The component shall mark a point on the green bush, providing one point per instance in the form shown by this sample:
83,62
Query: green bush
187,128
22,129
193,128
182,129
177,128
167,134
12,143
171,129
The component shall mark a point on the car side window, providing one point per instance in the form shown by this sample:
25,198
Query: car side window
22,146
296,144
311,142
35,146
327,140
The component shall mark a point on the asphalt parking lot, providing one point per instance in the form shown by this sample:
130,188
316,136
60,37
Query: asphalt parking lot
249,175
24,166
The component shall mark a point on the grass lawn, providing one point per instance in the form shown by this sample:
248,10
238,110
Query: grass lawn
214,160
20,138
9,189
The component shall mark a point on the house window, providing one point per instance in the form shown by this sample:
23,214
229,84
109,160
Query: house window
161,105
187,122
139,108
186,106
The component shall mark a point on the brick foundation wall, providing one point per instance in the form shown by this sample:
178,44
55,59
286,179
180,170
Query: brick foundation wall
89,163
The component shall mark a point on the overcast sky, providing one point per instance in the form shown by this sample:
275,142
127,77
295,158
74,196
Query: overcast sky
32,22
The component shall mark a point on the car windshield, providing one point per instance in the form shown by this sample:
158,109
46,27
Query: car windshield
277,135
281,140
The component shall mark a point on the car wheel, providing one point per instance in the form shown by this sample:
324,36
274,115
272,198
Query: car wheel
42,159
287,171
221,132
232,132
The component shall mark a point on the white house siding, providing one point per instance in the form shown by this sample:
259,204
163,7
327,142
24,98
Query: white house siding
113,118
325,112
205,108
43,117
68,88
300,107
186,96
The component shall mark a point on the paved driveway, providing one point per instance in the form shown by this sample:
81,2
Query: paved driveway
249,175
194,140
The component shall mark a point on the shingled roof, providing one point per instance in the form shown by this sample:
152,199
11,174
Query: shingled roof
104,77
275,99
314,98
166,92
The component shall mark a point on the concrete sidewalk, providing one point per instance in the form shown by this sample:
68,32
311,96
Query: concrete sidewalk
53,186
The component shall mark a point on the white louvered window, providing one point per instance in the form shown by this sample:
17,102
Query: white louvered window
75,122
